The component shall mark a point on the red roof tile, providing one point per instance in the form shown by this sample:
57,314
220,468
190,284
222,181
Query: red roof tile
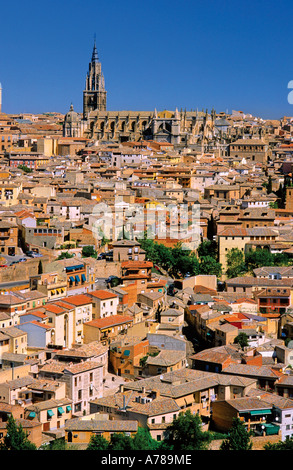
110,321
103,294
79,299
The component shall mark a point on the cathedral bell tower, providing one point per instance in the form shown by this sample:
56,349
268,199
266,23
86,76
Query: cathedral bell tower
94,95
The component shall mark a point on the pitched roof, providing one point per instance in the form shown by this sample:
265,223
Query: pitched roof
95,425
109,321
103,294
77,300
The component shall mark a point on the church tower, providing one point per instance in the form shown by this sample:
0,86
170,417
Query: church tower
94,95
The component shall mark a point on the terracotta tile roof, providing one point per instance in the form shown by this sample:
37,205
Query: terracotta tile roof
82,367
103,294
49,404
95,425
35,314
256,371
234,232
41,325
276,400
136,264
248,403
211,356
245,300
54,309
158,406
166,358
77,300
109,321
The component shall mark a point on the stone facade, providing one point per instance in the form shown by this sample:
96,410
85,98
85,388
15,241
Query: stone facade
97,123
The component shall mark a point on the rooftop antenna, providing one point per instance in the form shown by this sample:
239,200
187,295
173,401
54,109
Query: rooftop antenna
125,403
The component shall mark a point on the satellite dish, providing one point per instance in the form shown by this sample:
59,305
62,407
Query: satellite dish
290,345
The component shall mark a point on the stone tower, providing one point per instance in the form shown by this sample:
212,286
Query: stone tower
94,95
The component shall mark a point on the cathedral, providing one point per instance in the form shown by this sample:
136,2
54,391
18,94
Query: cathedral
98,124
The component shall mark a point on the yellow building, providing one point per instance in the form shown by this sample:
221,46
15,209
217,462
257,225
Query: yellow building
13,340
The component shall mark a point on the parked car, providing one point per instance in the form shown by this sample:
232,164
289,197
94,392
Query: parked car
14,262
30,254
3,265
21,260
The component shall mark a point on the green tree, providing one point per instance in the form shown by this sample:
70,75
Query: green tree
281,259
242,340
16,438
40,267
144,441
281,194
120,441
25,168
65,255
208,265
185,433
238,438
88,251
281,445
208,248
235,263
57,444
211,228
269,185
257,258
98,443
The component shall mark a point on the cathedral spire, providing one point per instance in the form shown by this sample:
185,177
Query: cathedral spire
95,57
94,95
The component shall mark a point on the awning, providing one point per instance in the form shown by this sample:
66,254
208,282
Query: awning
50,413
68,408
60,409
32,414
71,278
83,277
271,429
77,278
53,291
261,412
126,352
72,268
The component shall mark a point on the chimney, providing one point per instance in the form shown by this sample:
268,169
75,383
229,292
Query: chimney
121,388
156,393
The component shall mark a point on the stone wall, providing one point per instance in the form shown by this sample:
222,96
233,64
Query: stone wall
105,268
21,271
258,442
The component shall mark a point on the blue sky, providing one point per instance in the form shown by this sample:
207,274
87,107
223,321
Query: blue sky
156,54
